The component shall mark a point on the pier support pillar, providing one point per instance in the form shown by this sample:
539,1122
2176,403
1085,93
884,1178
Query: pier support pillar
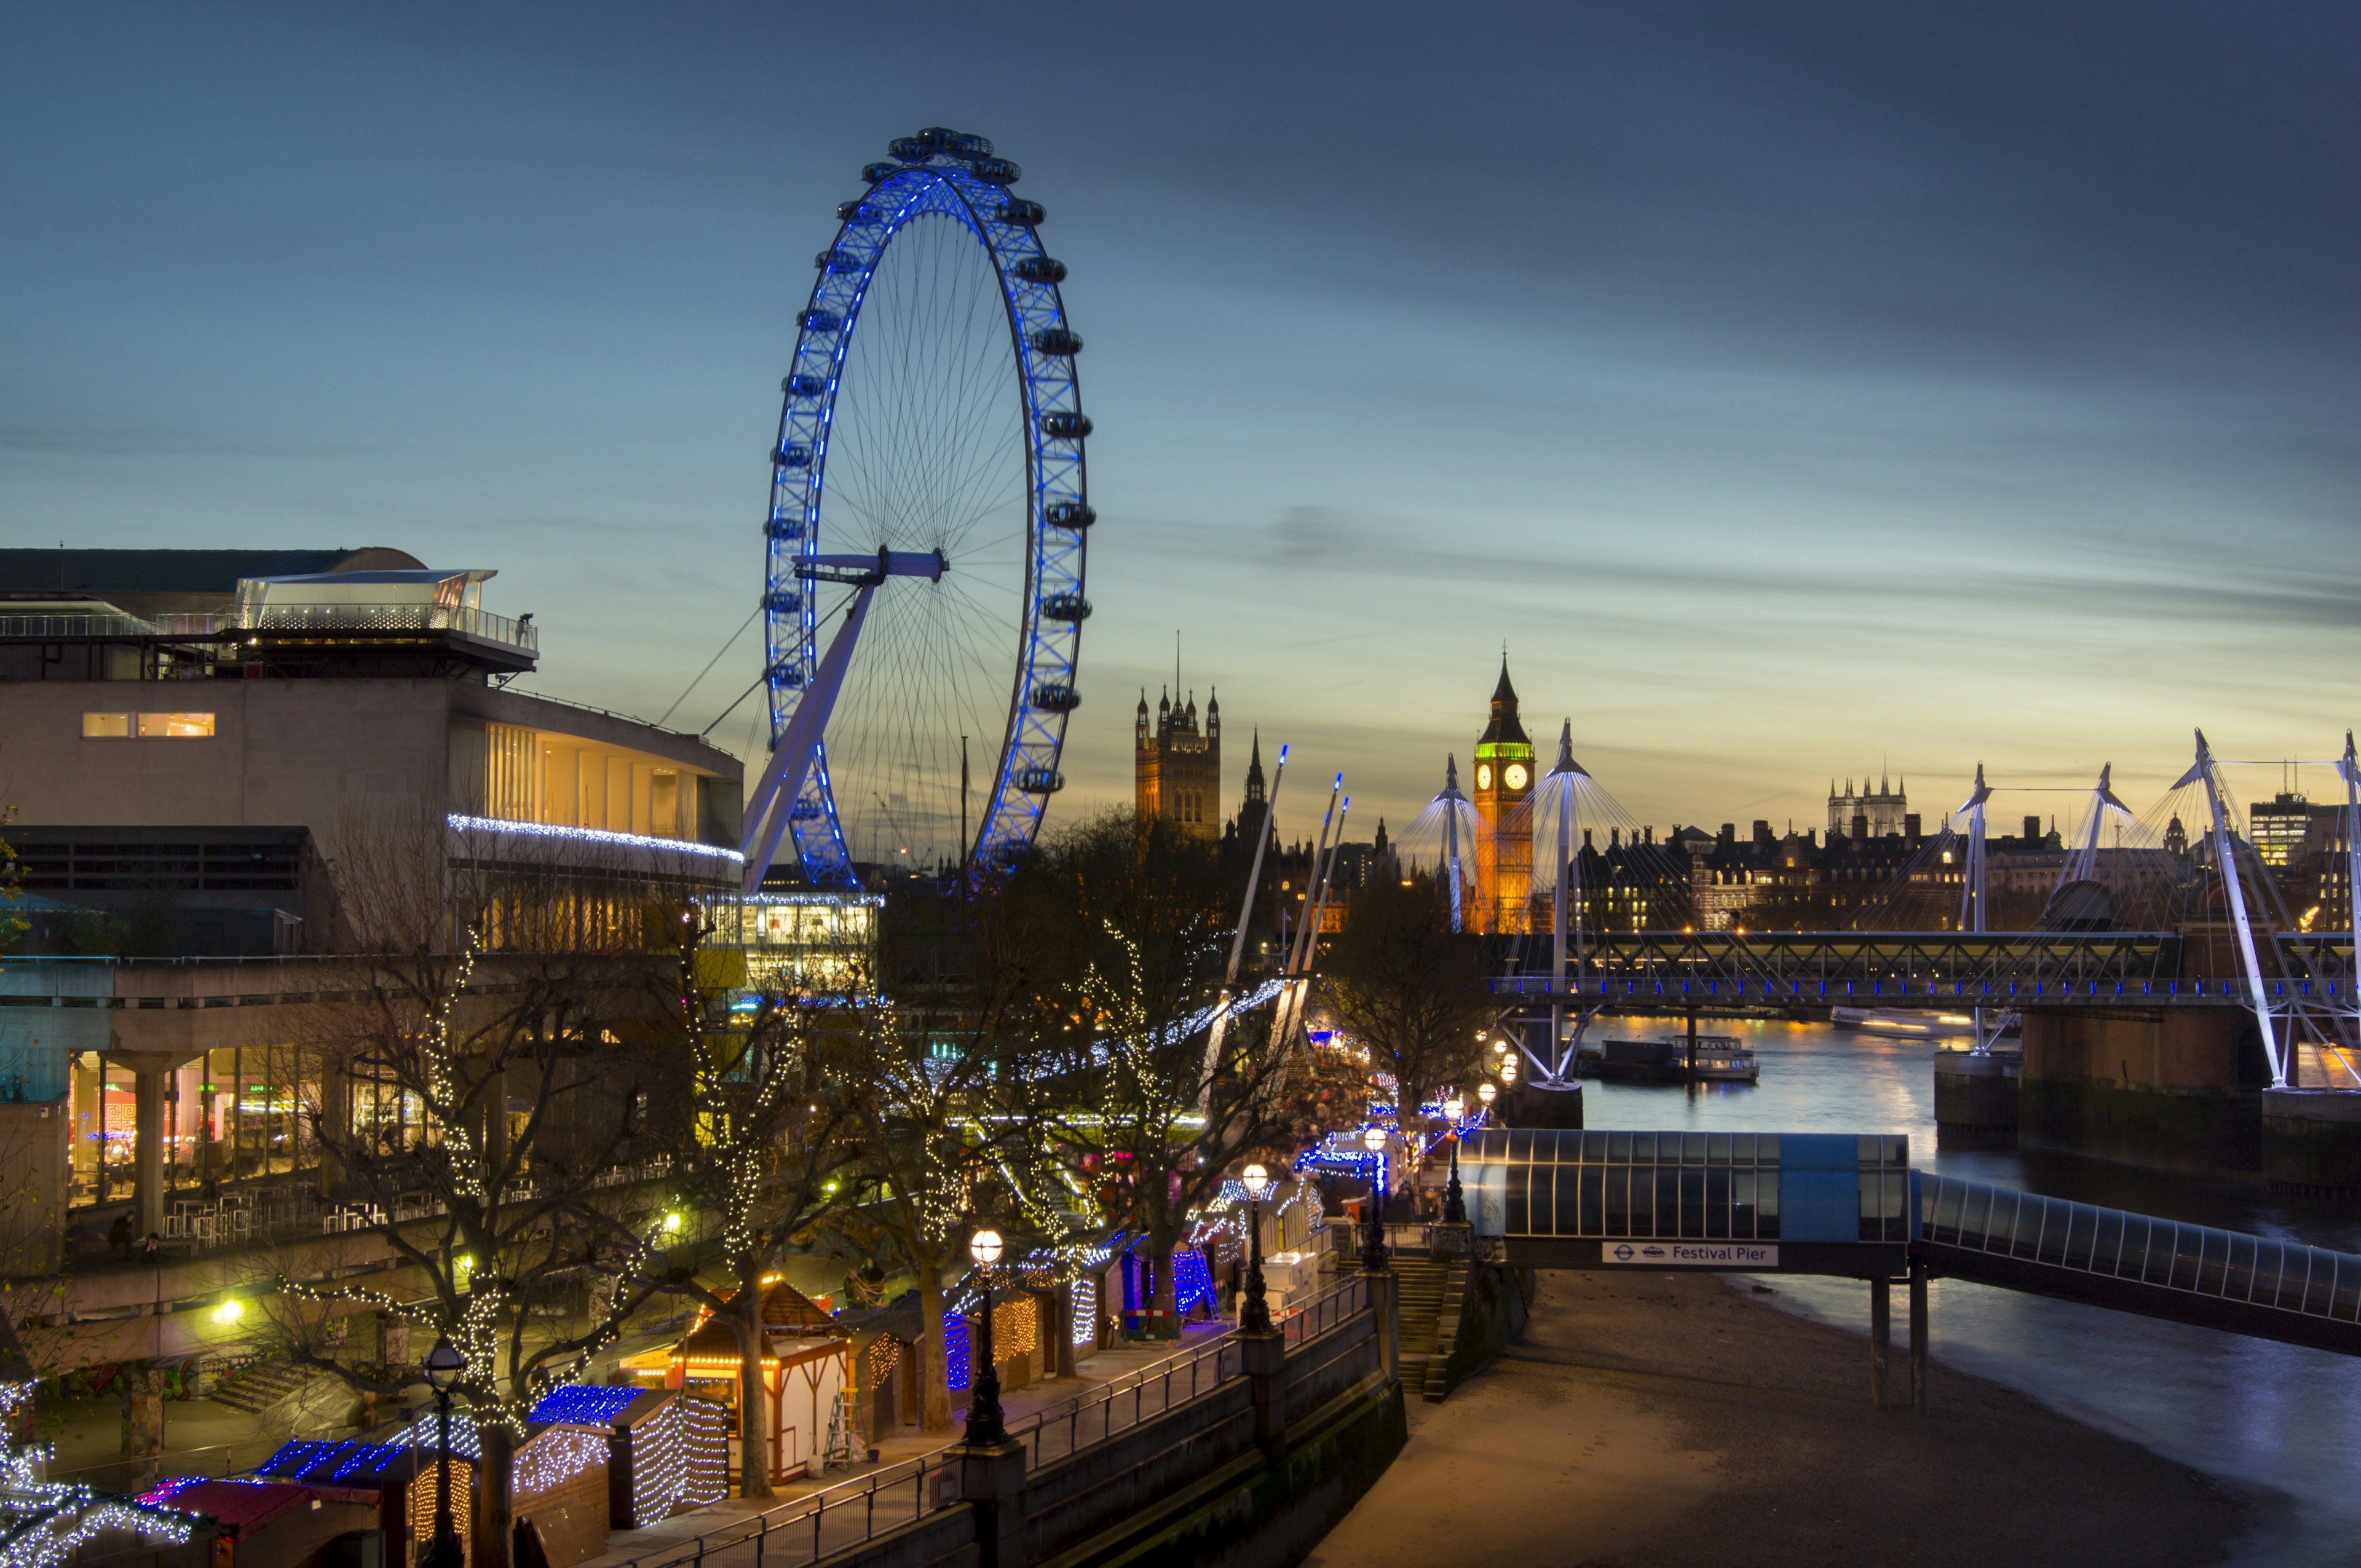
1918,1334
1881,1338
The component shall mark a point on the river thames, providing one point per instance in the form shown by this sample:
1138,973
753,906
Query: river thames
2262,1414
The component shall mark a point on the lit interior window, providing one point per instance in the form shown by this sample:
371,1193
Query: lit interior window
105,725
176,726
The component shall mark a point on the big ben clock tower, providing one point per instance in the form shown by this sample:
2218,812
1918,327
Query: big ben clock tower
1504,783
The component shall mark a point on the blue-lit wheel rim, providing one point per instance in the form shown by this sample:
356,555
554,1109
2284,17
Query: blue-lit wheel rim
932,405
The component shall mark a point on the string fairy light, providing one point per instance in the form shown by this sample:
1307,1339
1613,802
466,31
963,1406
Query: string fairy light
45,1524
555,1457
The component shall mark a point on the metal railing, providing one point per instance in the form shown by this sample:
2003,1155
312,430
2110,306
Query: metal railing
210,625
840,1517
75,628
385,618
137,1474
2248,1271
1093,1417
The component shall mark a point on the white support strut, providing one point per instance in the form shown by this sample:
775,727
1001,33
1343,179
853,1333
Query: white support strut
2225,862
773,799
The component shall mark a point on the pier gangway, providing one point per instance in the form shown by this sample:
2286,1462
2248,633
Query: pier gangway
1850,1205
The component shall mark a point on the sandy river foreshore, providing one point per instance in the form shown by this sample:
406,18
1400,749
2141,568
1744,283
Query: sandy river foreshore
1668,1420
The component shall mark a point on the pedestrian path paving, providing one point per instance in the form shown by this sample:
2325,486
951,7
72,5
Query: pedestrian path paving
806,1519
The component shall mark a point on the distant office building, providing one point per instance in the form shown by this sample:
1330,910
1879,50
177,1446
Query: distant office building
1177,768
2277,827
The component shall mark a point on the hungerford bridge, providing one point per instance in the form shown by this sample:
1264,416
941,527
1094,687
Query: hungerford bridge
2231,950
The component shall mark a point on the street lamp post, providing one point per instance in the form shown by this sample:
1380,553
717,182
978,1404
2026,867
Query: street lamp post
443,1365
984,1425
1254,1316
1373,1233
1454,1202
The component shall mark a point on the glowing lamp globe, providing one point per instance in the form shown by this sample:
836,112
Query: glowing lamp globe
1257,1182
1373,1140
1508,1070
1454,1107
984,1247
444,1363
1486,1093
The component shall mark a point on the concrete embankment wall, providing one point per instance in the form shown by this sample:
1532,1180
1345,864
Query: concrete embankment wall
1492,1316
1250,1474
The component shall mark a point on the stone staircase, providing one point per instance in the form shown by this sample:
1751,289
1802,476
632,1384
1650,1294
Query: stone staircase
256,1388
1430,1298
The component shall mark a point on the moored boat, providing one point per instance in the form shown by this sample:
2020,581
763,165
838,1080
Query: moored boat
1720,1058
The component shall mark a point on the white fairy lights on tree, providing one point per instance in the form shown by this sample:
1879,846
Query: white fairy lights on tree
43,1523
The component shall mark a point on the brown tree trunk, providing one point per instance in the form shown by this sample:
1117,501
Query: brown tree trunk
753,1393
495,1494
1162,1244
934,1371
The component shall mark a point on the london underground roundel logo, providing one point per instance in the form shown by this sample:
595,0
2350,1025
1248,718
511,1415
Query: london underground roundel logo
1623,1254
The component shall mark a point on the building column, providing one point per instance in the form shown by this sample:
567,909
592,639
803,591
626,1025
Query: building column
148,1150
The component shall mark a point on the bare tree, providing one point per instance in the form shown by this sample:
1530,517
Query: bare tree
503,1009
1409,989
943,1118
758,1105
1143,951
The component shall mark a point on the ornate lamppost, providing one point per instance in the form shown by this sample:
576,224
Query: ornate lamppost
1373,1230
1454,1203
1486,1093
443,1366
1253,1314
985,1428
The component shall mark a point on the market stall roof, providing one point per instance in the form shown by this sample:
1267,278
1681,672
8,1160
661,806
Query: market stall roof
245,1506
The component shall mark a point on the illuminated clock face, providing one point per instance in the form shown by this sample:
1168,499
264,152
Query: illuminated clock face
1515,775
1483,776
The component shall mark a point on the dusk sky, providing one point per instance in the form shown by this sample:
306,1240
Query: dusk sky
1791,387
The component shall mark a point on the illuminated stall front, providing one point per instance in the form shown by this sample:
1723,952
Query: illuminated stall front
806,1367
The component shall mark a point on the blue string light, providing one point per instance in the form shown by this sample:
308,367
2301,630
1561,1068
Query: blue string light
586,1403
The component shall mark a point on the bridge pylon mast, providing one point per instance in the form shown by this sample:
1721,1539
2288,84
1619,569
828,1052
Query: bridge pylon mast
1221,1028
1972,913
1450,800
2350,768
2204,771
1560,783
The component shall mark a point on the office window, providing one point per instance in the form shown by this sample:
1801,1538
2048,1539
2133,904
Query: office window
176,726
105,725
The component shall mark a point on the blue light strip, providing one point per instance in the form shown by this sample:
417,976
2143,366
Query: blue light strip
592,836
588,1404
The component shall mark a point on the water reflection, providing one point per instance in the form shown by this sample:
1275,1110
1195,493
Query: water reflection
2269,1415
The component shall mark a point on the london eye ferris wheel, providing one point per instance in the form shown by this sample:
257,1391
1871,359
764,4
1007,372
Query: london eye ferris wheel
923,598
